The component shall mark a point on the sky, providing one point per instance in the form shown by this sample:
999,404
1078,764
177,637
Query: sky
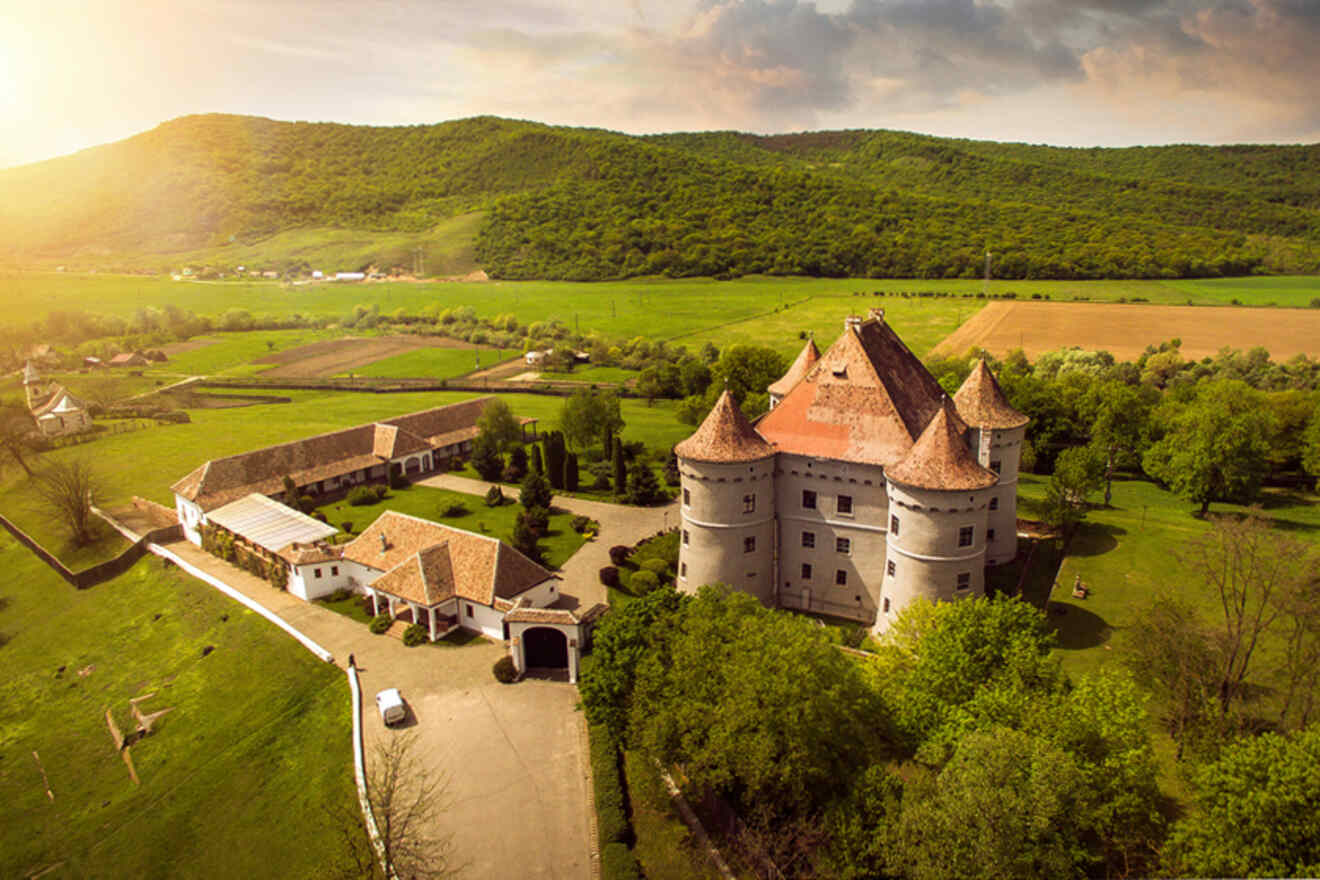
75,73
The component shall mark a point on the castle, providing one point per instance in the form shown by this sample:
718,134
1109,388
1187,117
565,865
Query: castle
865,486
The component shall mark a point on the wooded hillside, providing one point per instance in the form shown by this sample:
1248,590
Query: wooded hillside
590,204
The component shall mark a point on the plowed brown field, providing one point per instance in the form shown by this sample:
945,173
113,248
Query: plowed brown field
1126,330
331,357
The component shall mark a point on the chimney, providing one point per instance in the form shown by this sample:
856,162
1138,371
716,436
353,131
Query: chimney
878,315
384,544
853,323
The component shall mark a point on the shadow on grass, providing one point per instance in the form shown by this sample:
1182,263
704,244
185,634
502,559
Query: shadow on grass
1095,539
459,639
1078,628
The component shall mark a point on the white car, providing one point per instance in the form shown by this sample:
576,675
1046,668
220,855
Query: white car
391,707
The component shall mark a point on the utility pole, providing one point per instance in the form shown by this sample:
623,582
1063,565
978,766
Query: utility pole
985,287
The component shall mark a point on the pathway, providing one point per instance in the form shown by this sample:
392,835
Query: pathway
619,524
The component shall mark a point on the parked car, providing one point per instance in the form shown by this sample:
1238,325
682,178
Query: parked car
390,704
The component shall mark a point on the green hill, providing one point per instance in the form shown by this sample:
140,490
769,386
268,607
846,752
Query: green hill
525,200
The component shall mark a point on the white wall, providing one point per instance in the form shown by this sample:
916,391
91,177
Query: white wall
304,583
192,518
483,619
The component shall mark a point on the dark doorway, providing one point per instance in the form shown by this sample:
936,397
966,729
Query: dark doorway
545,648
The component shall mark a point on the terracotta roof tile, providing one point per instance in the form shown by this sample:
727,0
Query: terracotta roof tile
307,554
982,403
426,577
60,400
805,360
940,459
865,400
725,436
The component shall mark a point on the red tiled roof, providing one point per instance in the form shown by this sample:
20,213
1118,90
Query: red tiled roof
58,396
864,401
983,404
940,458
725,436
805,360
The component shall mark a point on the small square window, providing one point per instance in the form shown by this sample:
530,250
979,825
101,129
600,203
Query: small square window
334,571
889,568
808,539
806,571
687,497
965,536
989,534
749,504
749,545
994,503
841,578
682,569
843,545
809,499
995,465
845,504
893,525
317,572
886,604
964,580
687,539
469,611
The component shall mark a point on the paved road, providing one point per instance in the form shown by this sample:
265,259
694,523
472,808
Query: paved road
514,755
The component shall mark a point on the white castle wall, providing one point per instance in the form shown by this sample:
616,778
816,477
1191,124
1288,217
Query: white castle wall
716,526
1001,451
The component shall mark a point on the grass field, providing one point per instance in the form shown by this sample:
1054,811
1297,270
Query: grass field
431,363
221,792
559,543
1126,330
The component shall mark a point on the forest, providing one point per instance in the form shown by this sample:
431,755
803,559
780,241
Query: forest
587,204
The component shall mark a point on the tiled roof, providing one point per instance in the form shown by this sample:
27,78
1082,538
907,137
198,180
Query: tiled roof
523,614
60,401
30,374
804,362
983,404
865,400
940,458
307,554
329,455
725,436
426,578
483,569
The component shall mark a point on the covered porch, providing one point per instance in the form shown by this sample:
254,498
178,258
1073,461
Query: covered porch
439,619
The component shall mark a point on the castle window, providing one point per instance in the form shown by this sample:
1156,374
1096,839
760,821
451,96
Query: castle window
845,504
749,504
841,578
682,569
808,539
994,466
886,604
889,568
687,498
994,503
749,545
334,571
893,525
806,571
843,545
687,538
964,580
965,535
989,534
317,572
809,499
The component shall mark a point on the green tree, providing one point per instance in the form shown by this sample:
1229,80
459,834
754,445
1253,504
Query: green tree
534,459
535,492
525,539
643,487
1257,812
1216,447
746,370
553,444
1119,415
1078,472
571,475
1311,447
499,424
1171,650
620,471
486,458
588,416
517,466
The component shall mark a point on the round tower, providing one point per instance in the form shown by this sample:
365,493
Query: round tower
938,500
996,437
727,522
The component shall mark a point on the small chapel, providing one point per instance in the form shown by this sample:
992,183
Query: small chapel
863,488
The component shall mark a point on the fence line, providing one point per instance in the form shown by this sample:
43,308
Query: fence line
101,572
360,774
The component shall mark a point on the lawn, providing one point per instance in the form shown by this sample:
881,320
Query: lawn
432,363
257,742
558,545
592,375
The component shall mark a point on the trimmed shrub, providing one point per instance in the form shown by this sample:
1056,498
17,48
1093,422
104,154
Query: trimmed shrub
643,582
619,554
609,576
659,566
458,508
347,526
380,491
339,595
306,503
504,670
399,481
416,634
380,623
537,519
611,818
617,862
494,496
361,496
580,523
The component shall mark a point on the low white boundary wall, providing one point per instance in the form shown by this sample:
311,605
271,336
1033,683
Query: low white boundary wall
360,771
243,600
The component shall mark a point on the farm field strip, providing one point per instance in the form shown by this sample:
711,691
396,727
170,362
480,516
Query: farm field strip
332,357
1126,330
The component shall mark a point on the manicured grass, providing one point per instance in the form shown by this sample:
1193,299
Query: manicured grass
559,543
593,375
431,363
351,606
664,847
235,781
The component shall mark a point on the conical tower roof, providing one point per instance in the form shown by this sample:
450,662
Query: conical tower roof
983,404
940,459
30,374
805,360
725,436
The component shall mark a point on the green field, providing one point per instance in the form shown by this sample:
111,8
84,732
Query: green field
431,363
221,792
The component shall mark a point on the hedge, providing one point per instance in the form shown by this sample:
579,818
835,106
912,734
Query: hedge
618,863
611,819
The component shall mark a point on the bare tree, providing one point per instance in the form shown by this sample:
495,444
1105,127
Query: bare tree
1301,660
17,430
407,799
1252,569
1171,650
68,489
